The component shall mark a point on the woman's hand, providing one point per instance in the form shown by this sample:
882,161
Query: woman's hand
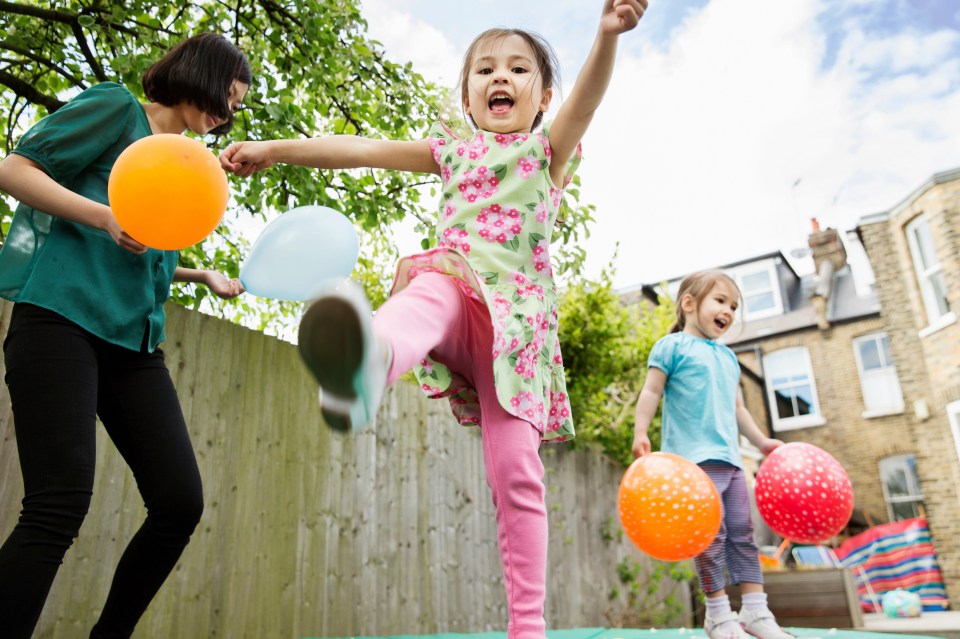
124,241
223,287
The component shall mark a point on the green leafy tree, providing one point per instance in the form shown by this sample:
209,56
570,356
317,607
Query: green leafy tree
605,348
316,73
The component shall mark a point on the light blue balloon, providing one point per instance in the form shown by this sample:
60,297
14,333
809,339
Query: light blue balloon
298,252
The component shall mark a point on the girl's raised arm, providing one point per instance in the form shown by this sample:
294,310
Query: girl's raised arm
331,152
577,111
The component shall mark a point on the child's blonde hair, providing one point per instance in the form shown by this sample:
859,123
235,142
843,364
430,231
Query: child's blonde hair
698,285
546,58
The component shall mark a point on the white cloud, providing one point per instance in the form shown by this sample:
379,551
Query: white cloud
408,39
693,158
699,145
899,53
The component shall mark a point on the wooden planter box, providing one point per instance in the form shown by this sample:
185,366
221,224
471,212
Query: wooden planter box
810,598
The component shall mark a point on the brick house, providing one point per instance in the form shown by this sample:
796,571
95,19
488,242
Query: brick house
914,249
874,377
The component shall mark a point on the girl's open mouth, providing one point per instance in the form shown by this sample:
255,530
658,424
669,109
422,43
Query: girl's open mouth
500,103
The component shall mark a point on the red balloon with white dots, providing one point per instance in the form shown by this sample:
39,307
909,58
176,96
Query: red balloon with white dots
803,493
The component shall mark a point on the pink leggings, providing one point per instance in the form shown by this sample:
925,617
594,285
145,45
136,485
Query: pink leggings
433,316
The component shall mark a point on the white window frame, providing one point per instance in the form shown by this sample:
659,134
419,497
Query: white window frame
925,274
912,476
745,270
953,415
895,406
815,418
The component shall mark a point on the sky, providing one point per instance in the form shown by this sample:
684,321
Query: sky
729,124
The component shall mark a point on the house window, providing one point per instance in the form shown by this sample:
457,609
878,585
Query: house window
901,487
760,288
878,376
929,272
790,387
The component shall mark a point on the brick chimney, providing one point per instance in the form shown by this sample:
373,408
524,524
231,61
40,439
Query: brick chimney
829,256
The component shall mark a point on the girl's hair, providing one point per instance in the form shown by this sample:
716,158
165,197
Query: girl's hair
548,66
199,70
698,285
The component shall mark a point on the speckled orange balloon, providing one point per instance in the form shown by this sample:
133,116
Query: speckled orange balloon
669,507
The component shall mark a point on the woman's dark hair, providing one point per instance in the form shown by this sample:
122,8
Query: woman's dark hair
547,64
199,70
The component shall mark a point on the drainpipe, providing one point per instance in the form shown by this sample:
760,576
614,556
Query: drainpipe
758,354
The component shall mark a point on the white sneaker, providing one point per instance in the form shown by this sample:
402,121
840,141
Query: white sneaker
762,624
724,626
337,344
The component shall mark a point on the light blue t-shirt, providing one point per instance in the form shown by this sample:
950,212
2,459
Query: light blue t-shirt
699,398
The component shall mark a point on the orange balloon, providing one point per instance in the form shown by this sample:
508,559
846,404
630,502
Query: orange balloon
669,507
167,191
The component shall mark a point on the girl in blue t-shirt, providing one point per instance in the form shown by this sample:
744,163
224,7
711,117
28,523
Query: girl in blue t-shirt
83,334
703,417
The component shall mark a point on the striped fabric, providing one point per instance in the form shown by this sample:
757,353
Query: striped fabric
899,554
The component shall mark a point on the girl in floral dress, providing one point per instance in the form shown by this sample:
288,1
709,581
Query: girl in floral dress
476,316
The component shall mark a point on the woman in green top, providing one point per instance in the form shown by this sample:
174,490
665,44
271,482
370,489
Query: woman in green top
84,332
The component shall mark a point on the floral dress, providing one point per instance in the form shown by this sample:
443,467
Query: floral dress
496,216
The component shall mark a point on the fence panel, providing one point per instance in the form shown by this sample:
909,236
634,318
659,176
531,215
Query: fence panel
307,533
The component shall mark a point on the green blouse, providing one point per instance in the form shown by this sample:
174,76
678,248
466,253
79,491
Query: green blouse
72,269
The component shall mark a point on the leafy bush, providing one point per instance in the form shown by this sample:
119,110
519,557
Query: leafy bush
605,346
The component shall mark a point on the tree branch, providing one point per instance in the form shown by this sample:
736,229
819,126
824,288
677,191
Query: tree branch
44,61
274,9
27,91
38,12
53,15
16,118
87,53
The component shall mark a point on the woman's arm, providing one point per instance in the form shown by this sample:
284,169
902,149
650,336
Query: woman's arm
220,285
27,182
330,152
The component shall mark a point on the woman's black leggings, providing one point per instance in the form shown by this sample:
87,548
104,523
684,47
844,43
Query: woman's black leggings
60,378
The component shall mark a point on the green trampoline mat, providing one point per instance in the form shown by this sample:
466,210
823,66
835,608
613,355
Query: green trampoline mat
661,633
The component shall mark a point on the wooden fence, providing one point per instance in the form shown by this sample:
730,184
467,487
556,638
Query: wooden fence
307,533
